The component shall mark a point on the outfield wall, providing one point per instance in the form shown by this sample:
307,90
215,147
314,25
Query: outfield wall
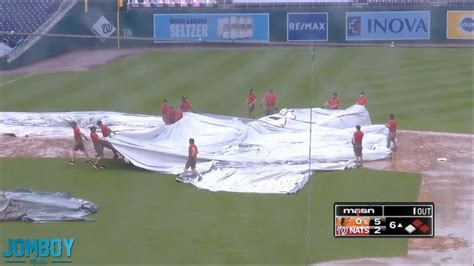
407,25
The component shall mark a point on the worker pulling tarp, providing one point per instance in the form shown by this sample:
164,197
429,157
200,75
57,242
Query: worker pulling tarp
39,207
268,155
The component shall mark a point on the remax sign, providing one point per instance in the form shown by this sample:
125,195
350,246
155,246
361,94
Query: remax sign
385,25
307,27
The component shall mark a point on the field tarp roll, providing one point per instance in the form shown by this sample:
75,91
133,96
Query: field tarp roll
41,207
268,155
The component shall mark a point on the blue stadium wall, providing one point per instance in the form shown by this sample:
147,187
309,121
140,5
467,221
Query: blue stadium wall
139,23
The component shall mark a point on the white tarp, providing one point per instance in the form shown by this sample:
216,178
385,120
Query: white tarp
268,155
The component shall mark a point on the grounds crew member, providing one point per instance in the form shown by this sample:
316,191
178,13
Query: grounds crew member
171,116
191,162
106,133
164,110
185,105
270,101
98,147
392,132
78,143
357,145
362,100
178,114
250,101
332,103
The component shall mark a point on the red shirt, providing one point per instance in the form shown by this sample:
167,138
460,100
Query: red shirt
77,134
164,108
95,139
185,106
357,137
192,151
392,125
178,114
362,100
171,116
105,130
251,98
270,99
333,102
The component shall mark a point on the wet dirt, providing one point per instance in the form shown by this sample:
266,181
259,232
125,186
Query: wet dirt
445,161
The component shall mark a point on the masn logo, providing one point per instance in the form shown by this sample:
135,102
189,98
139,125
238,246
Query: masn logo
357,211
396,25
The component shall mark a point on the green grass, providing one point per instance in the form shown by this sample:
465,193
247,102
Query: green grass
428,88
147,217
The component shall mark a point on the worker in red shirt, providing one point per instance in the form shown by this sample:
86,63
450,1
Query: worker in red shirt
362,100
171,116
78,143
164,110
332,103
250,101
185,105
178,114
191,162
270,101
98,147
106,131
392,132
357,145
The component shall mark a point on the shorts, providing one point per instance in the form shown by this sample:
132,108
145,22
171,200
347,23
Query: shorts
107,144
357,149
391,137
191,163
250,107
269,110
100,150
79,145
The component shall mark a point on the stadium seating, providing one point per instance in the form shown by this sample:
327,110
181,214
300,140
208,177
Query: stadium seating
173,3
24,16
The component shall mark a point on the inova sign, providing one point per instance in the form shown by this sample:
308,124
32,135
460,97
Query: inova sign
380,26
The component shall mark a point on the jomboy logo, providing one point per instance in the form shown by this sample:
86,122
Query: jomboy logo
460,25
393,25
38,250
307,27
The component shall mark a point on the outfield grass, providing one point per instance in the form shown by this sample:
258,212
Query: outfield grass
146,217
428,88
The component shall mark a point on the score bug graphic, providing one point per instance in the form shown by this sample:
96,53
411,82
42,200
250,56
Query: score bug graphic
369,219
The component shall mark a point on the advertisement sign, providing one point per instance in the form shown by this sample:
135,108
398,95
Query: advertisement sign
103,28
288,1
387,25
235,27
307,27
460,25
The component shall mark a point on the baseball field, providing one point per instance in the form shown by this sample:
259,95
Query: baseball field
148,218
